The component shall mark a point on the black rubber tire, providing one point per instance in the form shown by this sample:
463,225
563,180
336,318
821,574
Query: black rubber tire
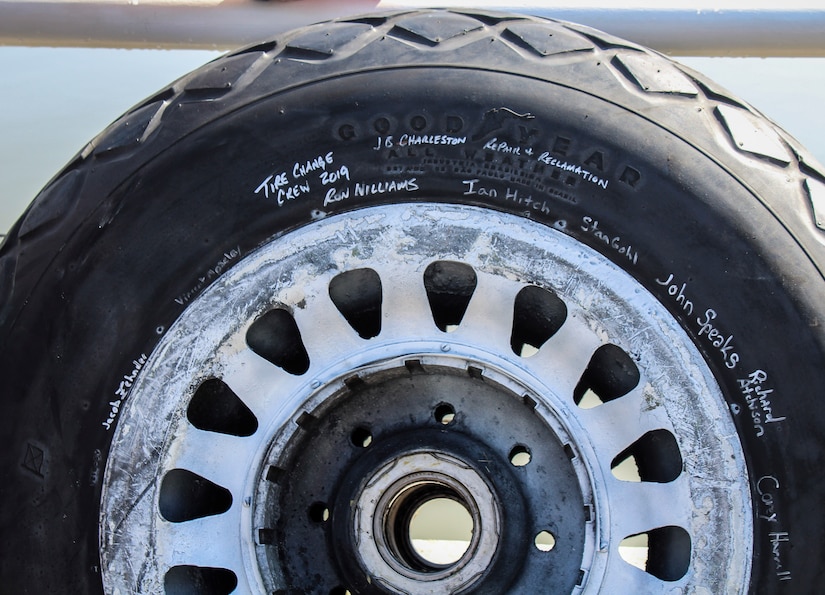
706,203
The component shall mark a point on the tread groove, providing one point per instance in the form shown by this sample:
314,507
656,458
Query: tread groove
535,38
403,34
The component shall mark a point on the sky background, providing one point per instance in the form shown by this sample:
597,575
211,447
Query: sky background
54,100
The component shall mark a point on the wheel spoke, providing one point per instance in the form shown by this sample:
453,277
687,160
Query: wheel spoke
626,578
615,425
222,458
325,332
405,308
210,541
638,507
564,357
488,320
261,385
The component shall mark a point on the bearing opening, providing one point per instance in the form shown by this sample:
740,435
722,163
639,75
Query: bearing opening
424,517
429,527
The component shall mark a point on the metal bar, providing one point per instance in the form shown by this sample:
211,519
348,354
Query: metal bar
725,29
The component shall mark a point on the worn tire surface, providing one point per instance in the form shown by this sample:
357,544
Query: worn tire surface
708,205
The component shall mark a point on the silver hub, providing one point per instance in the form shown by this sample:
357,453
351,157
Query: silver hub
390,499
494,334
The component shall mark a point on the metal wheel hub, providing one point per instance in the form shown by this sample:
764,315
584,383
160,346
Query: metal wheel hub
415,430
290,427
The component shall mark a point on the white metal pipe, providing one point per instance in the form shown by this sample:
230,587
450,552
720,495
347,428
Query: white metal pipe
797,28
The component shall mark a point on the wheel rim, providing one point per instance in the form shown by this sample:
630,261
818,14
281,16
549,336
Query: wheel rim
369,359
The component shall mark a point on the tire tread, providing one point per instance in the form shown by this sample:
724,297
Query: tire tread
644,81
